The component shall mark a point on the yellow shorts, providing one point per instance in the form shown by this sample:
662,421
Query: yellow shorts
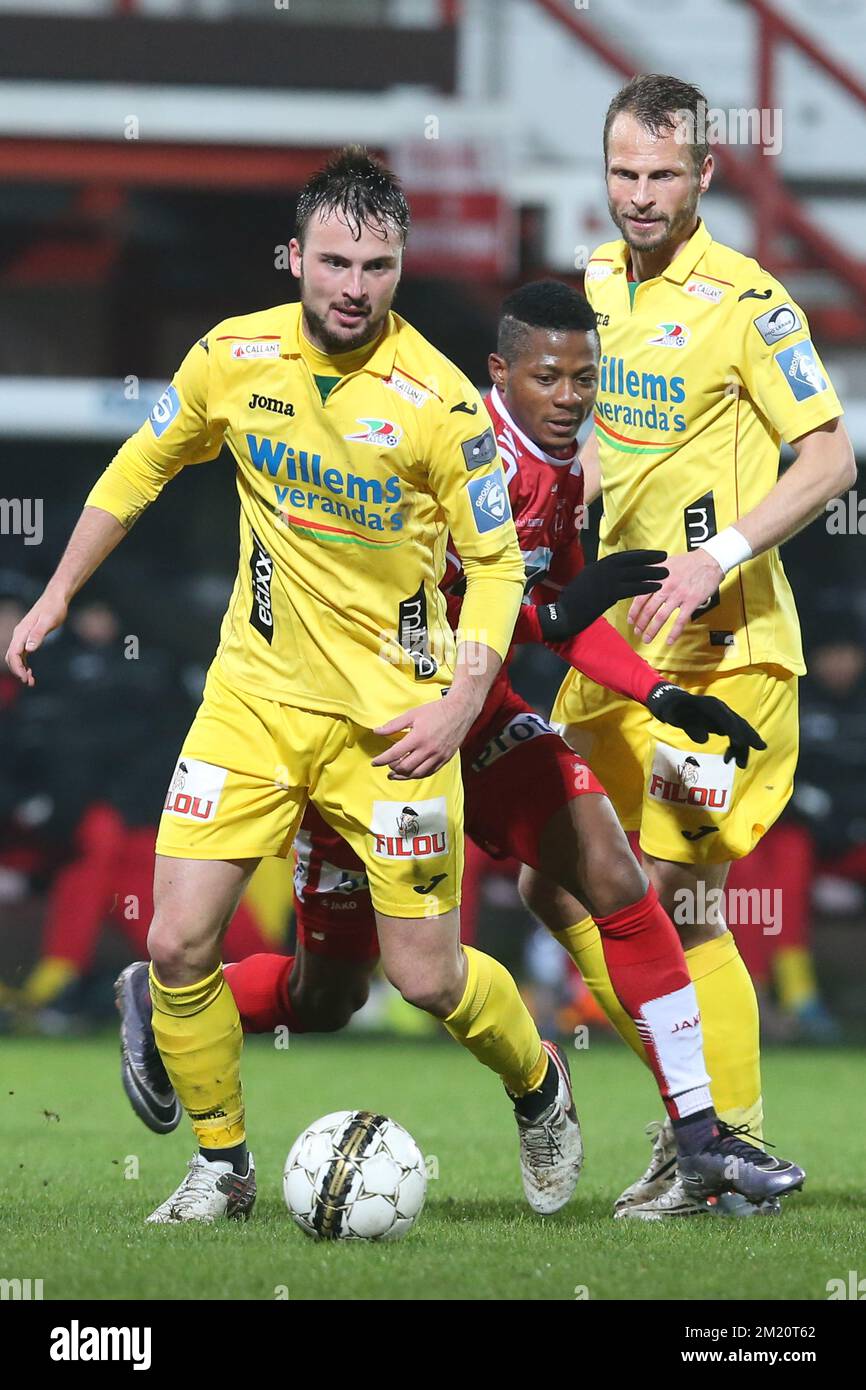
248,767
689,805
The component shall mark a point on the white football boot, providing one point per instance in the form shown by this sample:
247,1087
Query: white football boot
669,1201
209,1191
675,1201
551,1147
660,1174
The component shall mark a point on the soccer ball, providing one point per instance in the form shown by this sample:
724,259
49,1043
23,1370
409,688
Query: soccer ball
355,1175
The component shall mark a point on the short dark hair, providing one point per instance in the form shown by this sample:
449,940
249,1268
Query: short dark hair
541,304
360,187
661,103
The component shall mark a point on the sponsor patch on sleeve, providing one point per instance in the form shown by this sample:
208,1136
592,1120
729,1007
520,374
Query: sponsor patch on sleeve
489,499
165,410
800,369
777,323
480,450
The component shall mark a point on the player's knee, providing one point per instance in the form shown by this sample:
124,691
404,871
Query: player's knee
436,992
617,883
177,960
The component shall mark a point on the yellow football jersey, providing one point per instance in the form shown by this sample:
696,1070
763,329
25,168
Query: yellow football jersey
704,369
348,492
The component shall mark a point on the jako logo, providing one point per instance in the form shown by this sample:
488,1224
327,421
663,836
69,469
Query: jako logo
77,1343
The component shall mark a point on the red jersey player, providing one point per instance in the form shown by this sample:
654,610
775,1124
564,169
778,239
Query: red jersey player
527,794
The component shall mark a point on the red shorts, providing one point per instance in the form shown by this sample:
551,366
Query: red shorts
517,773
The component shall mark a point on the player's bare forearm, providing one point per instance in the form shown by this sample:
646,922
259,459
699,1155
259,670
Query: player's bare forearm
97,533
95,536
824,467
591,466
474,673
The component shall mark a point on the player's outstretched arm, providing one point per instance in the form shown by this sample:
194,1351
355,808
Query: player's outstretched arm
96,534
824,466
598,587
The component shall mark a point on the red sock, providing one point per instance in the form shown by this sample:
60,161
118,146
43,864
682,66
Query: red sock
260,985
648,971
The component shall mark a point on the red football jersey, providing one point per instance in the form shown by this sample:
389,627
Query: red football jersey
546,495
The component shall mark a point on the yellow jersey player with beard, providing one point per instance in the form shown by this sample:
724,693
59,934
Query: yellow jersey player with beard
706,365
357,448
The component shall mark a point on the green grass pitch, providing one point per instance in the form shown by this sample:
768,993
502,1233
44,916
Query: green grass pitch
71,1216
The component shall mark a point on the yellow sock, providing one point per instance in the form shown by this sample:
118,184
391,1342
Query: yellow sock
47,979
729,1016
493,1023
198,1033
583,944
731,1028
794,975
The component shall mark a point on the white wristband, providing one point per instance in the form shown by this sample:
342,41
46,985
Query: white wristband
729,548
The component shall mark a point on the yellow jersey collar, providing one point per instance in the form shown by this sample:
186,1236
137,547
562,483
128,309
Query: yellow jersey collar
684,262
380,363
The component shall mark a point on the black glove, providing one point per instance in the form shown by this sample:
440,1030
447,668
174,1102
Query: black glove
702,715
597,588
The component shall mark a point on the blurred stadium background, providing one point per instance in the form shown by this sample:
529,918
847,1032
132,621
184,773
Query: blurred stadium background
151,152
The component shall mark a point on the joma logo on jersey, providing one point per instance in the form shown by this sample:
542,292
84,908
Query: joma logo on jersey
416,831
258,402
684,780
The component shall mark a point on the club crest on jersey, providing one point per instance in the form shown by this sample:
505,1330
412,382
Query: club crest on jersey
377,432
195,790
165,410
673,335
489,499
699,289
683,779
410,831
801,370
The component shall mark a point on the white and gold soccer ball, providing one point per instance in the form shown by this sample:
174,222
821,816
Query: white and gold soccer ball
355,1175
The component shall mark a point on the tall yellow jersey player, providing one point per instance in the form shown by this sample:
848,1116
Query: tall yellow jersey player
706,365
358,449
